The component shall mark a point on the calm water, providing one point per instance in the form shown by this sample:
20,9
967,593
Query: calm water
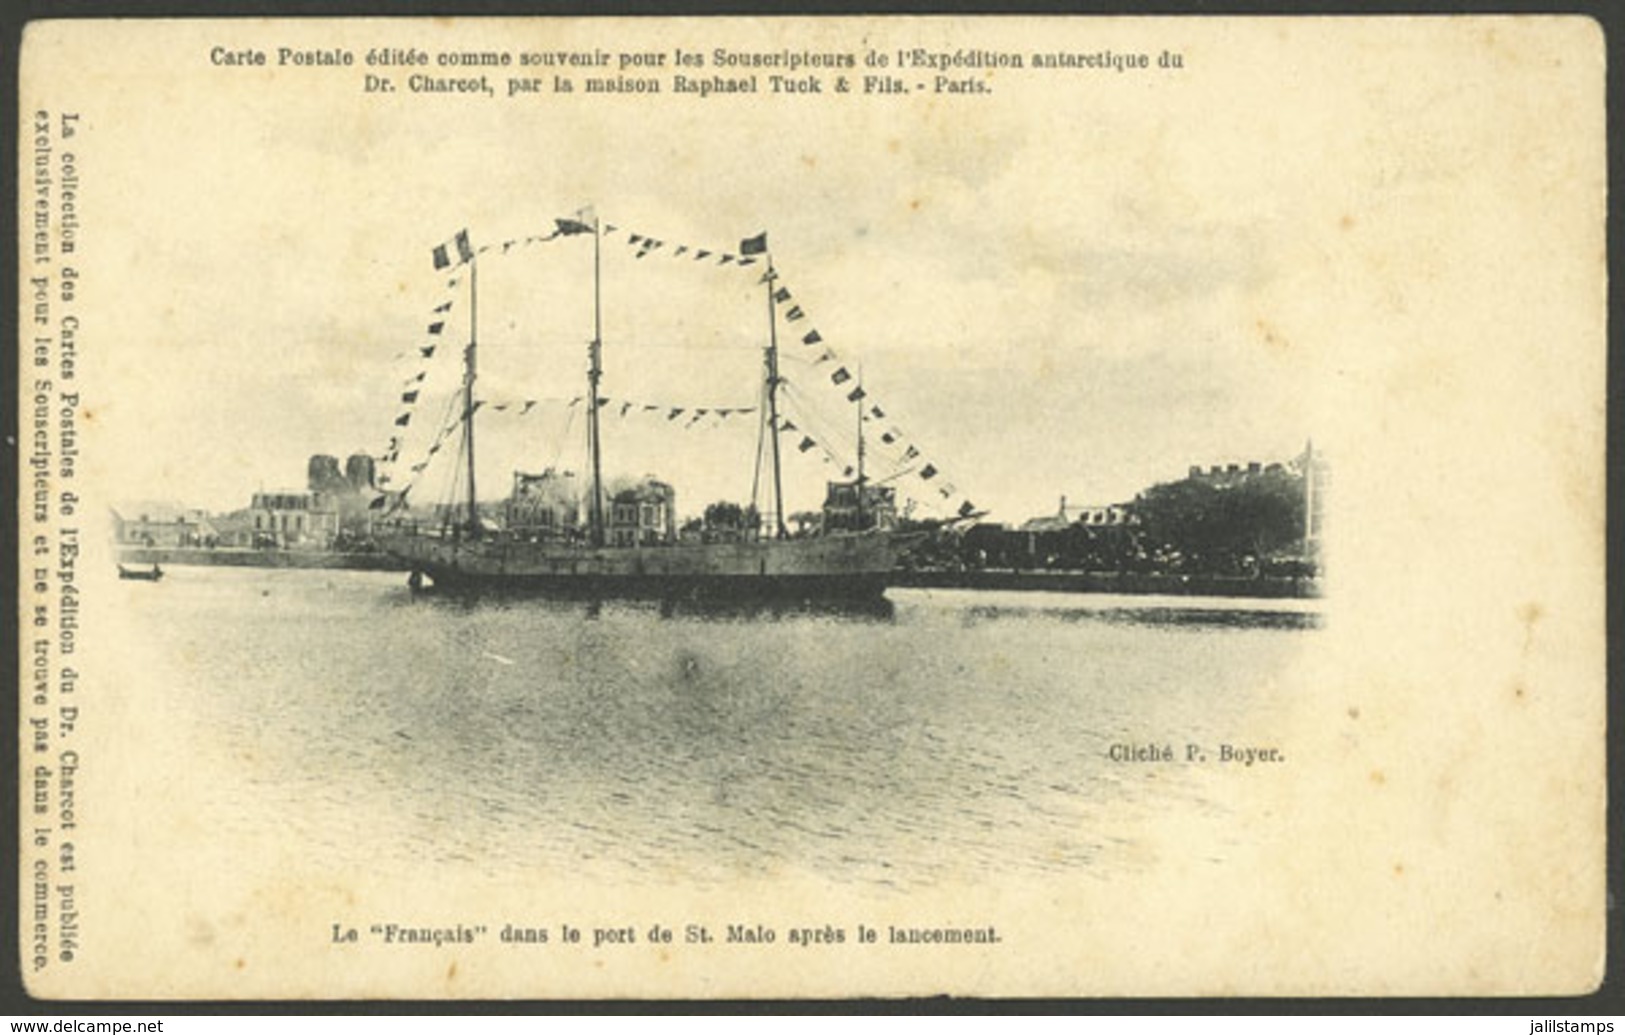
946,734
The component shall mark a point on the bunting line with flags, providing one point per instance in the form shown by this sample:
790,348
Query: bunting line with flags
841,377
626,408
946,492
414,384
749,251
450,256
459,251
418,468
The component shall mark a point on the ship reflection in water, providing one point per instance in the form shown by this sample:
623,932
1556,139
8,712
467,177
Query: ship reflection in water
938,736
1151,611
681,606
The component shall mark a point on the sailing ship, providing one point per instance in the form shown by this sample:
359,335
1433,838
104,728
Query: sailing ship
853,559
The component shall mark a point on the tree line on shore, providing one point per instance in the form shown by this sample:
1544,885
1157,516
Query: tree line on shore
1251,526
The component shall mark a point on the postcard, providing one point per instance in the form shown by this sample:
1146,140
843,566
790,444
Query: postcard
692,508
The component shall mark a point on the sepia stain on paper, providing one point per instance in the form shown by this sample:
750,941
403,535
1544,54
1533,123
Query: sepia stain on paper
1271,336
1530,615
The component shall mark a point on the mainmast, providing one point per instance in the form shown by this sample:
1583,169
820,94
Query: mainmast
594,373
469,370
773,399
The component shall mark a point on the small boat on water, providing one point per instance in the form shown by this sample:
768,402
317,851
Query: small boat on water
152,574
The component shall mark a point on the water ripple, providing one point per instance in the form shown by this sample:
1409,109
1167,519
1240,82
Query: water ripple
893,748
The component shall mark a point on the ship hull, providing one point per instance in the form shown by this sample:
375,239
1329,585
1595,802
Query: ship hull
824,567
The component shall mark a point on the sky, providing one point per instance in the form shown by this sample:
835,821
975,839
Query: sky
1079,284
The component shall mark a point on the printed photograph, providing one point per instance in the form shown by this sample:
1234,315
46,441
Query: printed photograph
731,508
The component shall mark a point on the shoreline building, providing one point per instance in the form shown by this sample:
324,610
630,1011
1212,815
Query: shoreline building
349,492
1092,515
162,524
288,518
643,514
544,506
846,511
1090,535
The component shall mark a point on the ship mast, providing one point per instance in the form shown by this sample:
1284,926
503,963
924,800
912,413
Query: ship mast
469,357
773,399
859,394
594,373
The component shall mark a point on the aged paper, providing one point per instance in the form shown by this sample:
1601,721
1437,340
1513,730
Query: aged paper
1067,255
